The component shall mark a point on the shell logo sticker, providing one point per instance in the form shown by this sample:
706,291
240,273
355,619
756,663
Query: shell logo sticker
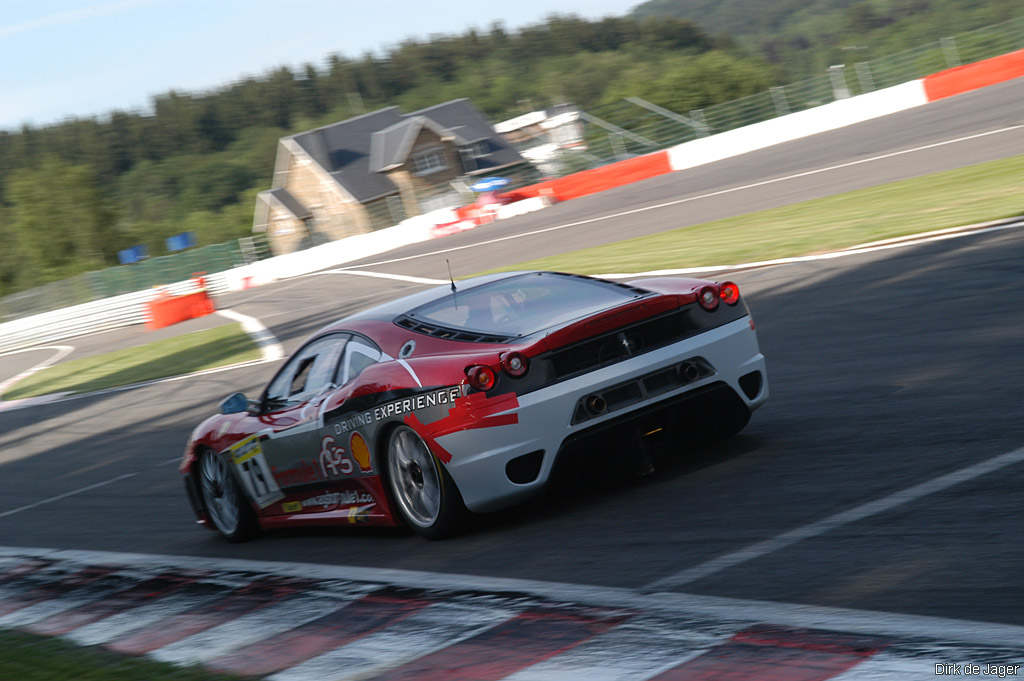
360,452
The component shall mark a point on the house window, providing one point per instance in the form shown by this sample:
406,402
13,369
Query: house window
478,149
429,161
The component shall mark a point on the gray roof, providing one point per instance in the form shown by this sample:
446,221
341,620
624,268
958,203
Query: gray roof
343,150
289,202
355,151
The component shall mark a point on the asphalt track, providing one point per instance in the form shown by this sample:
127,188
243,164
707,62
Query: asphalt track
888,369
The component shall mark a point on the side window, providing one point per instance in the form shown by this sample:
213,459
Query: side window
359,354
306,374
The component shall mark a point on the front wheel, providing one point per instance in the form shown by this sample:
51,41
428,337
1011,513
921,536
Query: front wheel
424,492
225,503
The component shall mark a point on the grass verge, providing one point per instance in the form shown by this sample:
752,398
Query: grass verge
979,193
26,657
197,351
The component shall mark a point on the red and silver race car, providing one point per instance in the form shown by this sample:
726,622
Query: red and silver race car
465,397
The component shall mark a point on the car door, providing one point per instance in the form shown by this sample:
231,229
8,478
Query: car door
352,457
289,420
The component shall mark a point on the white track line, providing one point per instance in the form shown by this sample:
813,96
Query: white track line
260,334
81,490
886,503
677,202
62,351
384,275
666,603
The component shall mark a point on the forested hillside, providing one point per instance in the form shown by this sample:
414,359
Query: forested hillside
73,194
804,36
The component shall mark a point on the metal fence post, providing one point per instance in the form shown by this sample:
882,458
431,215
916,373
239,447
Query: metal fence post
779,99
867,83
697,115
839,88
949,50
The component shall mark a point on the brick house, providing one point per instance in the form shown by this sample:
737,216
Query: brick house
375,170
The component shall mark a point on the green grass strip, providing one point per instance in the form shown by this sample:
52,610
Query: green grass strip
26,657
221,346
979,193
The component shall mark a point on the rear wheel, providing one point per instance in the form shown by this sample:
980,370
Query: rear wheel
224,501
424,493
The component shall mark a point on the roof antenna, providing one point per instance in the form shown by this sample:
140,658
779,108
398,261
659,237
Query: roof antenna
452,279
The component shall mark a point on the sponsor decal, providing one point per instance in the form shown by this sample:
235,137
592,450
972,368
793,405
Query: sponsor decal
303,473
445,396
253,471
344,498
292,507
359,514
360,452
476,410
333,459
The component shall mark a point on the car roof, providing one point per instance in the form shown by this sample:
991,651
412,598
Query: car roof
377,322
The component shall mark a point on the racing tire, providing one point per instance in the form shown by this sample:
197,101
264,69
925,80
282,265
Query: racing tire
226,506
424,493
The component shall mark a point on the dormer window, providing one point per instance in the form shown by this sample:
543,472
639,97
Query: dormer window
477,149
429,161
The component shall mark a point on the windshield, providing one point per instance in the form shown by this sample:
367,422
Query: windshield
525,303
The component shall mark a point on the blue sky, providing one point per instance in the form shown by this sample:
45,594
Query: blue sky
60,58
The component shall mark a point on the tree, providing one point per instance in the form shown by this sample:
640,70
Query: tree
60,221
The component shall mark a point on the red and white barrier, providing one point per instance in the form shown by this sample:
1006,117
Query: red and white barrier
969,77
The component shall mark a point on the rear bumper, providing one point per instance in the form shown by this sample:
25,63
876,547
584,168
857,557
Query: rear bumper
550,418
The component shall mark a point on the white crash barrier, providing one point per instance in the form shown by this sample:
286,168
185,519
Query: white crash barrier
79,320
827,117
523,207
130,308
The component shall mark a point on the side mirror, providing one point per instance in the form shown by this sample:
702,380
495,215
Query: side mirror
234,404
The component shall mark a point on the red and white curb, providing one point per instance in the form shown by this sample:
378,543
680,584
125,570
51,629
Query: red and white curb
293,622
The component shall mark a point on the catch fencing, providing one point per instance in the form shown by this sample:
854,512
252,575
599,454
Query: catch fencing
633,127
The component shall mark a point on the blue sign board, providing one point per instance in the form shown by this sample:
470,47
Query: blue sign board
132,255
179,242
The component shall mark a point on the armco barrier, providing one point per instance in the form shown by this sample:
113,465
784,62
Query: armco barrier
99,315
974,76
132,308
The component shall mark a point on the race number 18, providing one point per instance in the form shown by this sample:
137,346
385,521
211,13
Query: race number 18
254,472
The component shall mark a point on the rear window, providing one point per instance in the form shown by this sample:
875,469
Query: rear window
525,304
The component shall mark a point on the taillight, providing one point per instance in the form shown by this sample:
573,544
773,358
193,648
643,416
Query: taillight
707,296
729,293
481,378
514,364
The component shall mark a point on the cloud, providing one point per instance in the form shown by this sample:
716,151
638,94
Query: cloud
72,16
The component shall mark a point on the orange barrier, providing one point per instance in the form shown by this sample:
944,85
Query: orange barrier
166,310
599,179
973,76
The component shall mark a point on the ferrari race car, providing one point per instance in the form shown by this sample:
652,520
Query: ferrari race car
465,397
